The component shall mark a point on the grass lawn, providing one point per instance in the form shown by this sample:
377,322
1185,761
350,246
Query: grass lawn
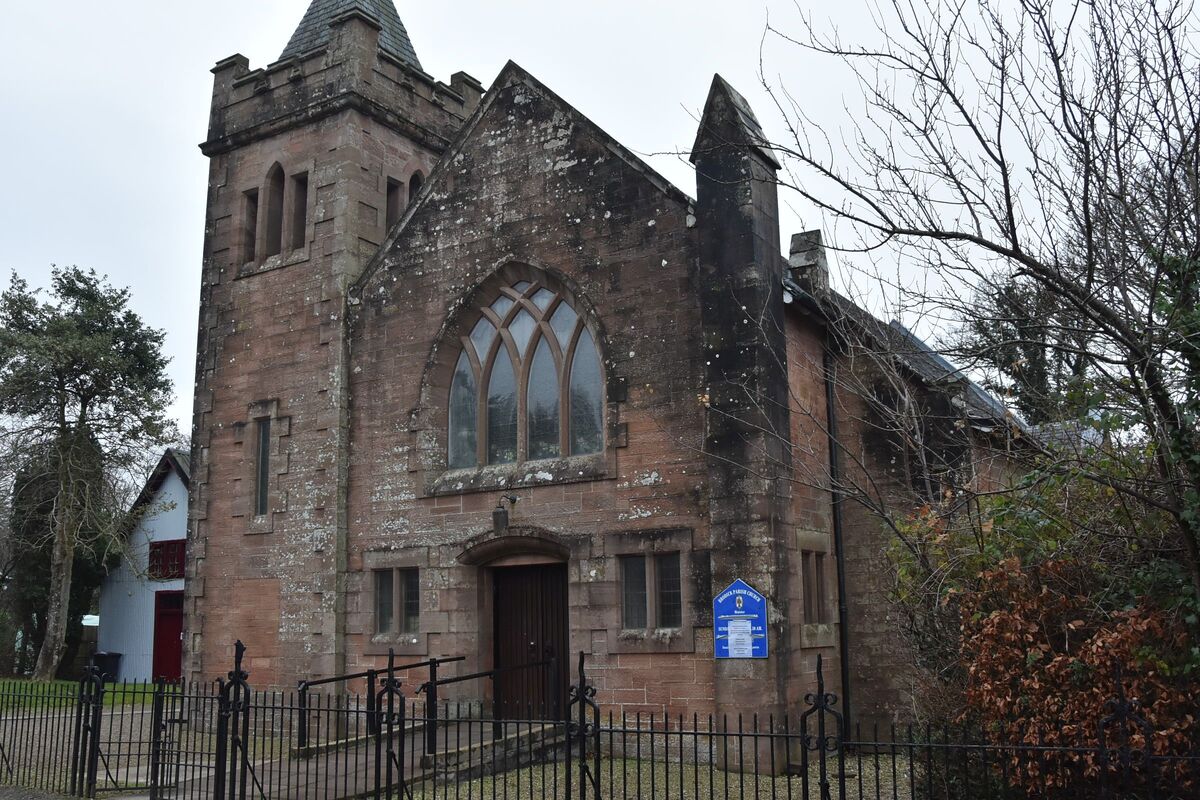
626,778
25,693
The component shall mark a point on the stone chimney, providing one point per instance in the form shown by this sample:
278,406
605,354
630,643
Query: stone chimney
807,263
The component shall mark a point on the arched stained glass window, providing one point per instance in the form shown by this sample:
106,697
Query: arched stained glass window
563,323
586,435
542,402
521,329
502,411
528,383
464,406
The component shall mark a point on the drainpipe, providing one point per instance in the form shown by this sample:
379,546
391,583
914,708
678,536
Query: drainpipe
839,551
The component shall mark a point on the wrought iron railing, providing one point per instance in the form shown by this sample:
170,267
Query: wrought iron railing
370,678
545,706
230,741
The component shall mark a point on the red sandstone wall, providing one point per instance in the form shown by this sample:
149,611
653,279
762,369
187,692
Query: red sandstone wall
536,184
270,344
883,670
357,399
811,505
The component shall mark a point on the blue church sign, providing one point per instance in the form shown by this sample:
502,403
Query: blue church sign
740,622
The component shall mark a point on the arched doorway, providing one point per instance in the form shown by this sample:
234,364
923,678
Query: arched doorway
529,621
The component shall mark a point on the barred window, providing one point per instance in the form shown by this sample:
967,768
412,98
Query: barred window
528,383
167,559
633,592
670,595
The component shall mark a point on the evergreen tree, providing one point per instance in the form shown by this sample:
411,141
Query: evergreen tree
87,380
29,546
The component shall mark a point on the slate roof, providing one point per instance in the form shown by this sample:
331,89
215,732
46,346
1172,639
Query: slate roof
181,460
313,31
927,364
173,460
935,369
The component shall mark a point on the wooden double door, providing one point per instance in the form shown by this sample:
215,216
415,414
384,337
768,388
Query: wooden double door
530,625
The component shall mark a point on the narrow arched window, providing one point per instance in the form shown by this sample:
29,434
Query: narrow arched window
502,410
586,436
542,404
274,238
527,384
414,186
299,210
463,414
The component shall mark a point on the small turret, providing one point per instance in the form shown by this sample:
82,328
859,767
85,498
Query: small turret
741,279
737,199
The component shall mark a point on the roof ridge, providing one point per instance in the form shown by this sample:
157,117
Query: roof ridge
313,30
510,75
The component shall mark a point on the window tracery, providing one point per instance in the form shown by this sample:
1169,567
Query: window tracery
527,384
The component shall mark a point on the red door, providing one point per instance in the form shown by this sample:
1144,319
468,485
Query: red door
168,635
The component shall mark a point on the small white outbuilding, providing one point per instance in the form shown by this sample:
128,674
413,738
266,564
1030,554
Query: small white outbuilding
141,600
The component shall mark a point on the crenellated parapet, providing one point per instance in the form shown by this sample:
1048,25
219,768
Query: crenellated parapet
349,71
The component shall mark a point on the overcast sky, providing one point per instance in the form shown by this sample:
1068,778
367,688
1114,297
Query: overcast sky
104,104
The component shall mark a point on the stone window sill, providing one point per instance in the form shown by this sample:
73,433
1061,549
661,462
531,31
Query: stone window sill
261,523
572,469
253,268
654,640
405,644
818,635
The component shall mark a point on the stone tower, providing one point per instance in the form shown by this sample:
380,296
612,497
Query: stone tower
312,159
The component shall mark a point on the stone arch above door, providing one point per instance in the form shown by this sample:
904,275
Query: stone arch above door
515,545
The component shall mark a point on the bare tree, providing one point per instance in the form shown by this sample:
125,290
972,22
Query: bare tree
1045,145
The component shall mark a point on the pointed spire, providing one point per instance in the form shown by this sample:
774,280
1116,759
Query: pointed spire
314,31
729,121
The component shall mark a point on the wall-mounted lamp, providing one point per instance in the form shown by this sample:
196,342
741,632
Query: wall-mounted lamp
500,513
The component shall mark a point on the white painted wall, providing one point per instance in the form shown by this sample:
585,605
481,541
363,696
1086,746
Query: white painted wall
127,596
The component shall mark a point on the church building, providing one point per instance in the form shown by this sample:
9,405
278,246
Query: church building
474,380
